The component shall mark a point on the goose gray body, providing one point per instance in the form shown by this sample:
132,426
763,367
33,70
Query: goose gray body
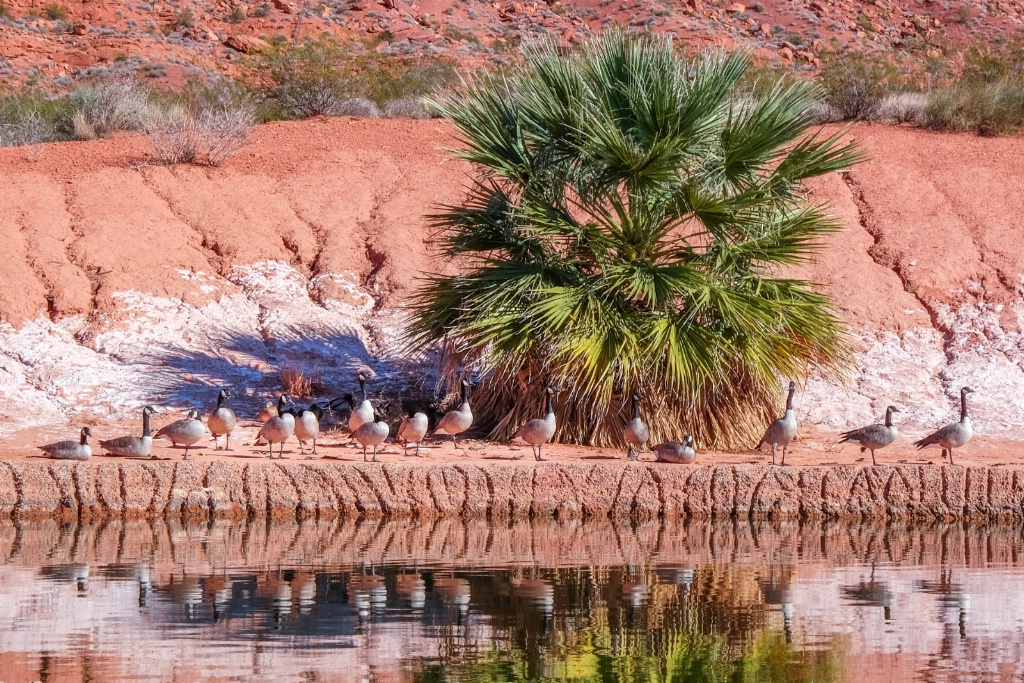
874,436
456,422
412,430
363,412
307,427
782,431
954,435
539,430
186,432
279,428
70,449
133,446
372,433
675,452
221,421
636,431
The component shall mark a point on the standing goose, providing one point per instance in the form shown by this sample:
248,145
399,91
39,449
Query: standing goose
539,430
71,449
455,422
673,451
873,437
222,421
413,429
955,435
307,426
781,431
372,433
279,428
364,411
268,411
184,432
636,430
139,446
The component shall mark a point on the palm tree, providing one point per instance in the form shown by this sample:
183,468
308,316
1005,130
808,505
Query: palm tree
626,230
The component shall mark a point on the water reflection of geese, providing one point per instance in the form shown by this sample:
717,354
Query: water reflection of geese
777,590
952,597
307,592
679,576
367,592
634,588
413,589
145,585
76,573
187,592
220,586
870,593
535,591
453,591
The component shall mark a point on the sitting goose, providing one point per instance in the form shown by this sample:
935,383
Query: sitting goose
953,435
268,411
673,451
372,433
279,428
185,432
456,422
222,421
636,430
139,446
307,426
70,449
781,431
873,437
361,413
413,429
539,430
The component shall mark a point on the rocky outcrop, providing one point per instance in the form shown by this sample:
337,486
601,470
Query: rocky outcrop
283,490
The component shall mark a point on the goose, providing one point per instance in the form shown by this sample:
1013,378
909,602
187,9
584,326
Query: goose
185,432
539,430
455,422
361,413
70,449
636,430
222,421
673,451
954,435
781,431
279,428
307,426
268,411
413,428
873,437
372,433
139,446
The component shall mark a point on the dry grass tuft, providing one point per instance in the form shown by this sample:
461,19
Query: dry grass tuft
297,384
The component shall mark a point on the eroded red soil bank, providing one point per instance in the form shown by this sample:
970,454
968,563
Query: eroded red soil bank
562,490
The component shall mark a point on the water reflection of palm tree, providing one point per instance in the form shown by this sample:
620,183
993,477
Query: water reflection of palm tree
871,593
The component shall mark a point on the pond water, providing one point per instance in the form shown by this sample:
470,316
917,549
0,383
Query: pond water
510,601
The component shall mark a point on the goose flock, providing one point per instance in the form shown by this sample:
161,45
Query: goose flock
368,428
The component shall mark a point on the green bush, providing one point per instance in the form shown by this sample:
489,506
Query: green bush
5,12
55,12
854,84
977,107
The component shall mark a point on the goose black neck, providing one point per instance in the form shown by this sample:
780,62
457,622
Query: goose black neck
550,404
789,399
362,387
84,440
145,423
465,393
280,405
220,399
888,417
963,404
636,408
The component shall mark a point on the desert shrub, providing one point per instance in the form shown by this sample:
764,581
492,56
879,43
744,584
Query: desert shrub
854,84
407,108
298,384
207,136
237,15
358,106
903,107
307,80
978,107
186,18
29,118
55,12
5,12
107,106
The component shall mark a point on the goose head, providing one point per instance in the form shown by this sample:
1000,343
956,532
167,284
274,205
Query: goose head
222,396
86,433
688,440
148,410
966,390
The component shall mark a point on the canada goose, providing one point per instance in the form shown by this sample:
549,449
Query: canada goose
70,449
372,433
307,426
455,422
364,411
955,435
222,421
636,430
673,451
413,428
781,431
268,411
139,446
873,437
539,430
184,432
279,428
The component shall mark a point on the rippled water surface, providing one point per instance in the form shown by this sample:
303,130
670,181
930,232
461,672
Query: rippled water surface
510,601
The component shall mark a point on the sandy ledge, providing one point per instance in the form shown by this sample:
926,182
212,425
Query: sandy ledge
198,490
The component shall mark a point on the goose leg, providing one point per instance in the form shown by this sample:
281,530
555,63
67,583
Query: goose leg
364,453
270,449
950,456
375,452
216,443
773,454
280,454
540,458
185,457
784,450
873,463
314,446
227,439
417,449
